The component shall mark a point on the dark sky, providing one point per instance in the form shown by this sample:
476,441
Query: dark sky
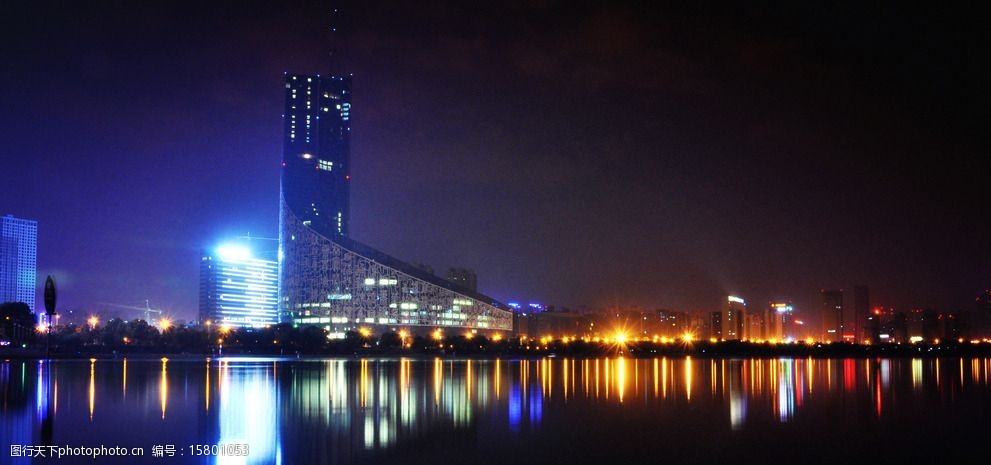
572,153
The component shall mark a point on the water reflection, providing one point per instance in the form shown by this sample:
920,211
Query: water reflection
333,411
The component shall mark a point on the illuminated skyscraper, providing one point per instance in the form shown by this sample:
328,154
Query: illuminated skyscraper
832,315
237,289
329,279
777,321
733,318
18,260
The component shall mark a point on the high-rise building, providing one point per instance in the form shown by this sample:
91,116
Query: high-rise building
18,260
237,289
777,321
734,318
981,320
716,325
329,279
671,323
861,313
832,315
463,277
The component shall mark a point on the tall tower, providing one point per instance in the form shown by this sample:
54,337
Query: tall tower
861,312
316,151
832,315
733,318
18,260
326,278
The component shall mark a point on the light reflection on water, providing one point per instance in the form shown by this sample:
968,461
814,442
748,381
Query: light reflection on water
343,410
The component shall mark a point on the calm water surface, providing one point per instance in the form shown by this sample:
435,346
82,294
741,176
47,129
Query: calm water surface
616,410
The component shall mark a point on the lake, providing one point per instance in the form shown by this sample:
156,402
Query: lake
549,410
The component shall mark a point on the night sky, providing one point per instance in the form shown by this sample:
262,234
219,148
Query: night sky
571,153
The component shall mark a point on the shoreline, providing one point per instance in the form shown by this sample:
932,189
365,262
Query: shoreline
633,351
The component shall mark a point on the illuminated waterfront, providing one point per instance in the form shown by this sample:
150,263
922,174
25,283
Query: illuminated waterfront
493,411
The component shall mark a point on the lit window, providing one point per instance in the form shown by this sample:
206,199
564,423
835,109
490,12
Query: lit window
325,165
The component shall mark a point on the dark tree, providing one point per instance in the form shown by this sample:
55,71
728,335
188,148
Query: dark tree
390,340
17,323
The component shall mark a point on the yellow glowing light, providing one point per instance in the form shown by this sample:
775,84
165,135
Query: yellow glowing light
224,329
364,332
497,337
687,337
42,328
164,324
712,339
403,334
621,338
810,341
469,336
93,321
438,335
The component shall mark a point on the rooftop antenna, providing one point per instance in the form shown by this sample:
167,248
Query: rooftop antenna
337,37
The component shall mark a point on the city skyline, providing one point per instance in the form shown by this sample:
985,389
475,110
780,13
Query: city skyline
653,211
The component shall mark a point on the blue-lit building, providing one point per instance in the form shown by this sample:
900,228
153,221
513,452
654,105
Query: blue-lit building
329,279
237,289
18,260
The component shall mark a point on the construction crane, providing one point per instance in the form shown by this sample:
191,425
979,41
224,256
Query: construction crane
147,309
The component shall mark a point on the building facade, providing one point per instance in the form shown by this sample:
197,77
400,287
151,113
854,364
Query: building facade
861,313
777,321
832,315
329,279
733,320
18,260
237,289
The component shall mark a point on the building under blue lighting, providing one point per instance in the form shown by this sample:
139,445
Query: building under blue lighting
18,260
329,279
237,289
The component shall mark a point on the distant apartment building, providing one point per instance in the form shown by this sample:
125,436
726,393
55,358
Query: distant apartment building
861,312
733,323
832,315
463,277
716,325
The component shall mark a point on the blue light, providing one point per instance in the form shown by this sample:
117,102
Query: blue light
233,252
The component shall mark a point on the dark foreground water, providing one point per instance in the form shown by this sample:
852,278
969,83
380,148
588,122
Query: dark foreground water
442,411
